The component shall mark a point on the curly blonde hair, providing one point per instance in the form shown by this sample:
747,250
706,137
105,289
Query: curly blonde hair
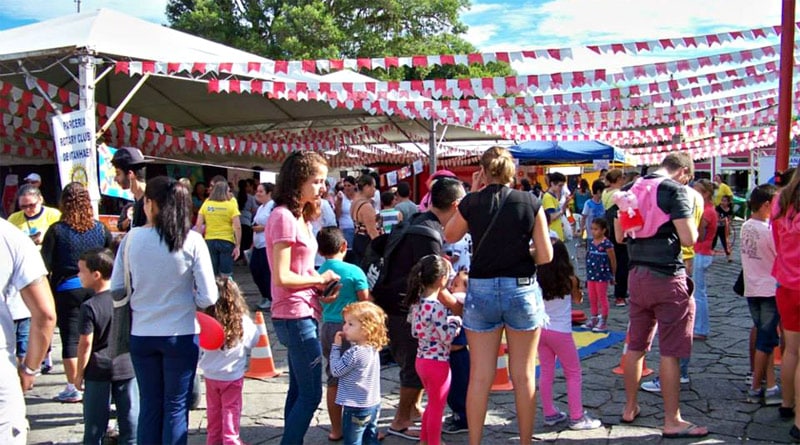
228,311
372,319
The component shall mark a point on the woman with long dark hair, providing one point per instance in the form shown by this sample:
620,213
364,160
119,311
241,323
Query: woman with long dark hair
170,274
296,309
503,294
63,244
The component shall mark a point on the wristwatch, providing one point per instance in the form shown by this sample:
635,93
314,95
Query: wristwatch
28,371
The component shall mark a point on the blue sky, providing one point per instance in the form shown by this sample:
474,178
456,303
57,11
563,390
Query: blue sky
514,24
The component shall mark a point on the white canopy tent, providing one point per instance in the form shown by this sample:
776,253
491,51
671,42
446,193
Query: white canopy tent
75,55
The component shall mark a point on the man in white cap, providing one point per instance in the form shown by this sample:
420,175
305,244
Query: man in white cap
34,179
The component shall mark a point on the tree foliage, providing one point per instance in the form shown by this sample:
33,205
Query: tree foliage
318,29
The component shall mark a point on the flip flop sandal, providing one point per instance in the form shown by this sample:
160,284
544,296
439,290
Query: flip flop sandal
685,433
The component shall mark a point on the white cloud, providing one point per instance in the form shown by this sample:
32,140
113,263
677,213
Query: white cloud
569,23
481,8
478,35
151,10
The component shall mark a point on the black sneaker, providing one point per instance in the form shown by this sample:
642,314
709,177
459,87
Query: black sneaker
795,433
451,426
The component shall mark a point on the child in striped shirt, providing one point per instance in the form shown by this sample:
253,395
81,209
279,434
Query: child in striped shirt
359,371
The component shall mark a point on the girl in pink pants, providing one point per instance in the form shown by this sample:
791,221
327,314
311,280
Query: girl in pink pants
224,368
557,280
435,327
601,265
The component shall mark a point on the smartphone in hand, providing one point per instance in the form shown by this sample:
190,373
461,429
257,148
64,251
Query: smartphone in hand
330,288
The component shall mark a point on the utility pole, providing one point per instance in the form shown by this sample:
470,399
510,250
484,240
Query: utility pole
78,5
785,87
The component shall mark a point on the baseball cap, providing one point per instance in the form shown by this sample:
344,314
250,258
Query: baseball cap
33,177
127,157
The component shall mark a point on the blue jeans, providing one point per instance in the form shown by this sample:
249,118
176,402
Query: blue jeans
165,368
221,259
304,353
96,399
22,329
492,303
764,312
360,425
259,269
701,265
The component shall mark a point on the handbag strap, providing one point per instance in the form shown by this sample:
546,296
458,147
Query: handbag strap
126,270
504,193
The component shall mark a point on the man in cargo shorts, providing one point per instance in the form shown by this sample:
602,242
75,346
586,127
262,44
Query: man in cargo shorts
658,290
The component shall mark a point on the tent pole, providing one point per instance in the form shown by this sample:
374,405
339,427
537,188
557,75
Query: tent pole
785,87
86,88
122,105
432,145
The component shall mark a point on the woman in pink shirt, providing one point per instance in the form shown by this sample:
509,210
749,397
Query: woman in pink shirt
296,286
703,256
786,270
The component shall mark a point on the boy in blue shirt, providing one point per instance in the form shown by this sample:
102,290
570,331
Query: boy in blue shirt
101,374
353,287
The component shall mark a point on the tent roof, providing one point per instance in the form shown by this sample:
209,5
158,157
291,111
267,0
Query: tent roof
547,152
183,103
112,33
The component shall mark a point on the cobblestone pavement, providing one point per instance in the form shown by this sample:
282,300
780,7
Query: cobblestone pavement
715,397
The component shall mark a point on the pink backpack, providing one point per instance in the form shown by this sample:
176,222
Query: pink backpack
639,213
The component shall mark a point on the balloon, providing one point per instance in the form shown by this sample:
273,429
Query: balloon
212,336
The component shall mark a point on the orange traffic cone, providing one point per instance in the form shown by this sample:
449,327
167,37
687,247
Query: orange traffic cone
501,377
620,370
262,366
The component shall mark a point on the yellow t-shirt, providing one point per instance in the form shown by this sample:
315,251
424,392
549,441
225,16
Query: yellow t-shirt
607,198
38,224
722,190
551,202
218,217
697,212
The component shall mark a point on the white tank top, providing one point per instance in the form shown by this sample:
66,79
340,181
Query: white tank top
560,312
346,221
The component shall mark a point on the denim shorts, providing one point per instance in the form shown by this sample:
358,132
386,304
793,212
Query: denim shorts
764,311
493,303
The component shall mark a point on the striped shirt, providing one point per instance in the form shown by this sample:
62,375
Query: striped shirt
359,373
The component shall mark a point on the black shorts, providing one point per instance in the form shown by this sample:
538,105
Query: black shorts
68,313
404,350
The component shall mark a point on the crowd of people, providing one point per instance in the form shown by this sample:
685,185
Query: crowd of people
459,273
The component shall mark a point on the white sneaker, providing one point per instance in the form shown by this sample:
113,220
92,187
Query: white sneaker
651,386
772,396
265,305
585,423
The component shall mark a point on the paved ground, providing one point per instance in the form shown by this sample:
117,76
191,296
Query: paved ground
715,396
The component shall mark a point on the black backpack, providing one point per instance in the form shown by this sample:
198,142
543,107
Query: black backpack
379,251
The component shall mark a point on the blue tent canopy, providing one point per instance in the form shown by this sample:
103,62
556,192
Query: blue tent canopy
550,152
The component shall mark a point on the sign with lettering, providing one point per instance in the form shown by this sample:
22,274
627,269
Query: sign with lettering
75,151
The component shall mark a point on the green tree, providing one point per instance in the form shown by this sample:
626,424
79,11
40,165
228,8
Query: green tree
317,29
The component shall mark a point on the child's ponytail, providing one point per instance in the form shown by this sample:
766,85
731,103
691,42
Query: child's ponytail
425,273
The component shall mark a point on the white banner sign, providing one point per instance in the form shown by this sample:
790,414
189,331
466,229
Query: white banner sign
599,164
75,151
